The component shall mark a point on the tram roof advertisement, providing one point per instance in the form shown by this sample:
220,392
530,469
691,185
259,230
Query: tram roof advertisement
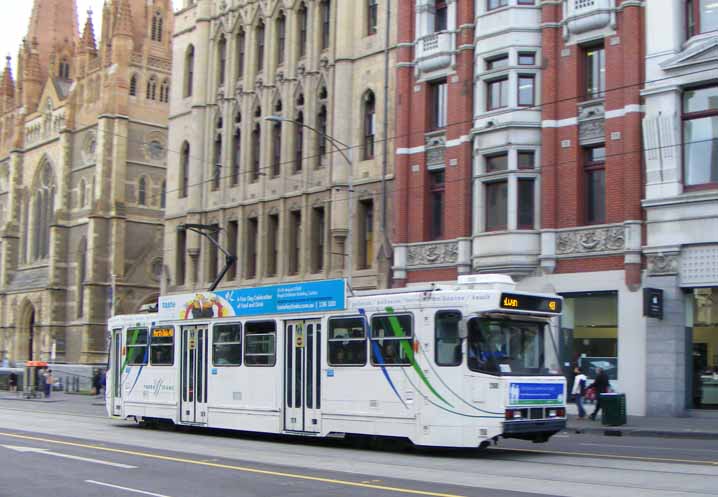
311,296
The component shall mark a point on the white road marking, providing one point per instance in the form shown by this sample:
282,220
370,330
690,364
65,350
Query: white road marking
683,449
47,452
127,489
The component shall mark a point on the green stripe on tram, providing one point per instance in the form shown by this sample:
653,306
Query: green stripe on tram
398,332
132,341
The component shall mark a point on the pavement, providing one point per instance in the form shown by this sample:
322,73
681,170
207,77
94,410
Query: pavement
699,425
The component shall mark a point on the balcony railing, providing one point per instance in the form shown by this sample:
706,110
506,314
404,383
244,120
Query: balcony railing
581,16
434,52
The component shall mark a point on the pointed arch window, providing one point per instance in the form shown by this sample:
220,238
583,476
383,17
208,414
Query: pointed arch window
326,13
241,48
157,26
142,191
83,194
221,60
43,205
369,125
189,71
184,168
217,156
299,143
277,142
236,148
163,195
256,144
281,38
322,127
165,91
260,46
64,69
81,277
133,85
152,88
303,21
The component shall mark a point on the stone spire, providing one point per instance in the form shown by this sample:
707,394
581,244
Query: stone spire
87,43
53,24
123,19
7,84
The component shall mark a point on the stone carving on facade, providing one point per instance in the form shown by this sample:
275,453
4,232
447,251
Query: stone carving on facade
611,239
591,130
433,254
661,264
435,148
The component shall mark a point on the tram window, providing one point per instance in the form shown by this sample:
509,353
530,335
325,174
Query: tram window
260,340
391,340
346,342
447,342
136,346
227,344
162,346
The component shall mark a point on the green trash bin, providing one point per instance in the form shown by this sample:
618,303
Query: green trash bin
614,409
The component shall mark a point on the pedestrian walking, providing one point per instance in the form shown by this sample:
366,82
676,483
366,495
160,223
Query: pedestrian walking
579,390
48,383
96,382
12,382
600,385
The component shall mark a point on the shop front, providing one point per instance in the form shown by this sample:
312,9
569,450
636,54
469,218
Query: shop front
704,350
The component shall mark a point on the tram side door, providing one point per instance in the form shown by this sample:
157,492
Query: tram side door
302,376
116,373
193,370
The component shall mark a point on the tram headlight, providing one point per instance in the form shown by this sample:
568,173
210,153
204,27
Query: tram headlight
514,414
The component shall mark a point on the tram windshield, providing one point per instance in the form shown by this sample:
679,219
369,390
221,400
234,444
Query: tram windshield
509,347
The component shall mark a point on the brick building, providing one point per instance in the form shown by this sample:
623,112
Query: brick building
519,151
83,132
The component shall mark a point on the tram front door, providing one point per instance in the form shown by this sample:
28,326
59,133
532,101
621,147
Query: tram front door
193,406
115,373
302,376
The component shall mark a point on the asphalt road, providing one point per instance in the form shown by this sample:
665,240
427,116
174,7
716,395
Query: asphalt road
47,450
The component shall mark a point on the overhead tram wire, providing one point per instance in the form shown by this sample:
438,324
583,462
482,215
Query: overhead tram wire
460,179
391,138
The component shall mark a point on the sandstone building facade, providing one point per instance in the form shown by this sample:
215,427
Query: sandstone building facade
83,135
277,191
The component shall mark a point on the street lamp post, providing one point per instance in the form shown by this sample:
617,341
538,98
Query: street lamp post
345,151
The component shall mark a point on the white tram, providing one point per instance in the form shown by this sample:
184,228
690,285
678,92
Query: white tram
454,365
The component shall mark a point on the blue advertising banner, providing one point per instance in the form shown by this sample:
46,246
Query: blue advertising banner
311,296
524,394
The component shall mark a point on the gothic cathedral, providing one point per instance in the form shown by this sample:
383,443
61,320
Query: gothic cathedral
83,151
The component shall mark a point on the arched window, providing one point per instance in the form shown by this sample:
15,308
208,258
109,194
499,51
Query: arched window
369,125
241,48
256,144
322,127
83,193
236,148
221,60
217,155
326,14
152,88
184,168
165,91
142,191
277,142
260,46
43,205
157,25
302,18
133,85
163,195
281,37
372,16
299,142
64,69
81,276
189,71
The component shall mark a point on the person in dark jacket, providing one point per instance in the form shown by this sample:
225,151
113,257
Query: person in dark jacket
600,385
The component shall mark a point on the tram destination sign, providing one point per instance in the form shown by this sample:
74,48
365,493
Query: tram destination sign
296,298
535,303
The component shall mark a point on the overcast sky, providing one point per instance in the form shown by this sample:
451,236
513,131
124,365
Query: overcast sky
16,15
